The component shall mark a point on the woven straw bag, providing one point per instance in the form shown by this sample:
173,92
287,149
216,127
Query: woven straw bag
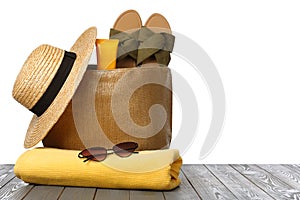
113,106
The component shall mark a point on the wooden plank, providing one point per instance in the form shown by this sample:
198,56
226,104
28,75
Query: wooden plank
198,181
15,189
44,192
275,187
205,183
240,186
294,168
77,193
4,168
6,174
283,173
146,195
184,191
113,194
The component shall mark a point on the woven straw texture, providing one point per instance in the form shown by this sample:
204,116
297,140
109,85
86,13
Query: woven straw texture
115,106
36,75
33,80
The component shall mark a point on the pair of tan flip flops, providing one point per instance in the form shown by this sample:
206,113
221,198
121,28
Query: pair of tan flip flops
140,45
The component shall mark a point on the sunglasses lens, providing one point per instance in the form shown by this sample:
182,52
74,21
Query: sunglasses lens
125,149
93,151
98,157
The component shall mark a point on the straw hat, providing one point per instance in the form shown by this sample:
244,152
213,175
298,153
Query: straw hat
47,81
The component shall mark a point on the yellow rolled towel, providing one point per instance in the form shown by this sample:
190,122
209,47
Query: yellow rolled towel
156,170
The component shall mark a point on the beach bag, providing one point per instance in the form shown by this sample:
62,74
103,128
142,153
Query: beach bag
113,106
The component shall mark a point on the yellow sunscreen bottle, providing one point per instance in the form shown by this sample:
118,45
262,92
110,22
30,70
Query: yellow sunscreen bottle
106,53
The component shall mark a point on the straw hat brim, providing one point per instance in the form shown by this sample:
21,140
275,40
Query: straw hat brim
40,126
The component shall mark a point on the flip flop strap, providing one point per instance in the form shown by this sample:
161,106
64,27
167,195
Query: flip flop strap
158,44
128,43
143,44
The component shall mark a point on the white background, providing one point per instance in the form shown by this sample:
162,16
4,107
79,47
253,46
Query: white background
255,46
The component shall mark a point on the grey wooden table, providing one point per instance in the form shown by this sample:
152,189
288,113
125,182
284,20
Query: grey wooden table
198,182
